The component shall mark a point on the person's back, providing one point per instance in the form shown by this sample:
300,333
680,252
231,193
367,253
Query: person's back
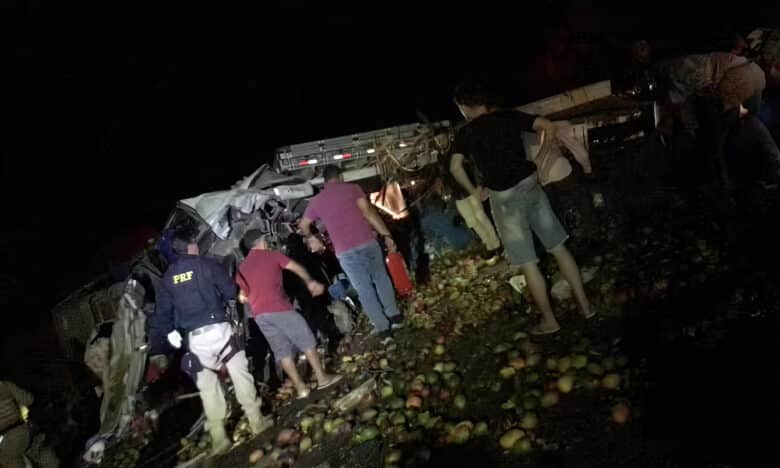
195,286
336,206
260,275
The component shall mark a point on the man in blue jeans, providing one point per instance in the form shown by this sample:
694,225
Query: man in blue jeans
352,223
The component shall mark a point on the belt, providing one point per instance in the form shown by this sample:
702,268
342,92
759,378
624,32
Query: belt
204,329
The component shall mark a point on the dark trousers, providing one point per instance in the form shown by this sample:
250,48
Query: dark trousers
714,126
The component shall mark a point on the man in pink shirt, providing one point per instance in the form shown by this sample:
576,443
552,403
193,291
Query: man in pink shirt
351,221
260,280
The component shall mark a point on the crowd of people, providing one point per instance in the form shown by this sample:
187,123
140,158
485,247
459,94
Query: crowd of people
287,291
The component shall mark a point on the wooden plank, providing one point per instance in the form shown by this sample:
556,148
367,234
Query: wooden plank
569,99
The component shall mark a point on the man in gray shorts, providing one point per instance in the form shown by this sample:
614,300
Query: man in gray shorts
493,141
260,279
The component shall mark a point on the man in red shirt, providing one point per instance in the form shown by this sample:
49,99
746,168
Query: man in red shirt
260,280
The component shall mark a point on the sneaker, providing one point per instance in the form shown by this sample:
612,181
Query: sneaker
261,424
219,440
385,336
396,322
491,254
332,379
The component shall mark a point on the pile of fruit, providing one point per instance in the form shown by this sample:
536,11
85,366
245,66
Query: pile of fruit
463,291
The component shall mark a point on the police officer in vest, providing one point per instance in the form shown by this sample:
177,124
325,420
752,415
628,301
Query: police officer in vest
15,433
191,298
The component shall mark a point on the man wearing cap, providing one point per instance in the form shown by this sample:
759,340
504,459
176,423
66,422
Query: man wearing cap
352,223
192,297
260,279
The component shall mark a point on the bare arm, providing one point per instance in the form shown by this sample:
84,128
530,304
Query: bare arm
459,173
305,226
546,130
314,287
376,221
299,270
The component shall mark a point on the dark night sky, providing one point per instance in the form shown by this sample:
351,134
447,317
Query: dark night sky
113,112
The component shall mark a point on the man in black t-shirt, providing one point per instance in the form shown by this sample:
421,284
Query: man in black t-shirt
493,141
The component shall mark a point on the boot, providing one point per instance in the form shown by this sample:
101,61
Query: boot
219,440
259,423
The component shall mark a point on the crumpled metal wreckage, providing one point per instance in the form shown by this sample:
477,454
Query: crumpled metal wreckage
263,200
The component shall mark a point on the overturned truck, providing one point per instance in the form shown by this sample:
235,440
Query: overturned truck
105,322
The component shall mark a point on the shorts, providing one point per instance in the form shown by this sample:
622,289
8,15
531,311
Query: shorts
285,332
520,211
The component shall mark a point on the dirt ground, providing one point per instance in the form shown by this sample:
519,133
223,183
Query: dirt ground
687,318
692,315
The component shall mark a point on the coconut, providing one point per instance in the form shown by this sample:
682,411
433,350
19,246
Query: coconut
595,369
533,360
461,433
417,386
611,381
439,350
366,433
564,364
387,391
551,363
522,446
256,456
396,403
532,377
510,437
397,419
450,366
480,429
550,399
453,382
621,413
384,363
509,404
517,363
529,421
439,367
459,402
305,444
393,457
520,336
319,417
507,372
368,415
579,361
414,401
432,378
530,402
565,384
501,348
306,423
